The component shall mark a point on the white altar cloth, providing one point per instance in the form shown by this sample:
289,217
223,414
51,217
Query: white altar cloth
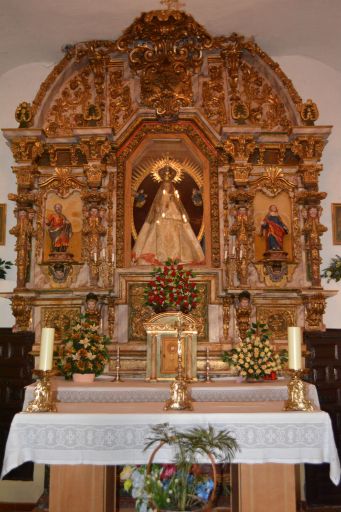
110,433
141,391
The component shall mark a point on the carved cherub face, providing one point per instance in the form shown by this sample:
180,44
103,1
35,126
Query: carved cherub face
94,212
91,305
313,212
22,214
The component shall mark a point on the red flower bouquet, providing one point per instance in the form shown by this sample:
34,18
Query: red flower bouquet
171,288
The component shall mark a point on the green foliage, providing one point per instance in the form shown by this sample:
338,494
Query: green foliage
4,265
189,445
333,271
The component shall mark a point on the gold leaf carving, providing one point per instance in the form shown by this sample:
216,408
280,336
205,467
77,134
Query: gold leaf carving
278,319
213,97
62,181
69,108
120,106
165,48
61,318
265,108
273,181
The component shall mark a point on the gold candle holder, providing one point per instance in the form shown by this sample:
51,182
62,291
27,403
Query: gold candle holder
208,367
118,366
43,400
180,397
297,398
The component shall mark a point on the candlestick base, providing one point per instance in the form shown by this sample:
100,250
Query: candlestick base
180,396
118,367
180,399
297,399
208,378
43,400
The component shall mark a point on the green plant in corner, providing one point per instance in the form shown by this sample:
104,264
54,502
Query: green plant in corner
4,265
333,271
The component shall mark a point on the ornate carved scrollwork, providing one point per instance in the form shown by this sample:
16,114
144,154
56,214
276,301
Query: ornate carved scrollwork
313,231
23,114
61,318
22,311
165,49
227,303
62,181
315,306
213,97
24,232
243,313
243,228
278,319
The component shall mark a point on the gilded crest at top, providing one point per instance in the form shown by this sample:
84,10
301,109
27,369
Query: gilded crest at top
165,49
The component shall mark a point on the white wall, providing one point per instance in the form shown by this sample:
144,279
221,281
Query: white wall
311,78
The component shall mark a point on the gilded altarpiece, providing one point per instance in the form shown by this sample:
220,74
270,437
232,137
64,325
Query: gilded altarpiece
216,124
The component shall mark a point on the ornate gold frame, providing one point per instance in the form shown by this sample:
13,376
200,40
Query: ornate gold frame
336,223
3,208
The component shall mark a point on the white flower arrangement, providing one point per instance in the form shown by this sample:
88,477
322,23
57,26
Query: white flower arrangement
254,357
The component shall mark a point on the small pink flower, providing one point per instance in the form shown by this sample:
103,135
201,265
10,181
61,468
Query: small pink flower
168,471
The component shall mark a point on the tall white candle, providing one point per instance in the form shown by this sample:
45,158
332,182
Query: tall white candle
46,349
295,348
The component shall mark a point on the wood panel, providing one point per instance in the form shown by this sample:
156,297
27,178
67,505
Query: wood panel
266,487
15,373
81,488
324,360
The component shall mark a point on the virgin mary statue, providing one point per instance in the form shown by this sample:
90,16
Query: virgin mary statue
166,232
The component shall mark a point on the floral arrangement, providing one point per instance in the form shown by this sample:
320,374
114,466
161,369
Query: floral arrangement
83,350
333,271
181,485
4,265
171,288
254,357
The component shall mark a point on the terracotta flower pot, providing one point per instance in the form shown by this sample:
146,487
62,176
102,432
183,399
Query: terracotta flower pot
83,378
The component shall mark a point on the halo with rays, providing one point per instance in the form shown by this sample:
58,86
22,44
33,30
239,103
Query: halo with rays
154,167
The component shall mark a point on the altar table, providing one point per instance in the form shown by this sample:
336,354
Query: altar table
110,433
103,390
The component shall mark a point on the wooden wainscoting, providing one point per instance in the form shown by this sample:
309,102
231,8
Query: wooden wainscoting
324,360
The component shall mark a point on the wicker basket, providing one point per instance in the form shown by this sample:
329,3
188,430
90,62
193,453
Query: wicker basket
208,505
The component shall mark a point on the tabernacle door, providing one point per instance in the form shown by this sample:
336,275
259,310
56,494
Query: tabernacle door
163,331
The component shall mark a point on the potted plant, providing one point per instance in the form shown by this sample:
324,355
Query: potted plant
254,358
333,271
180,485
171,287
4,265
83,353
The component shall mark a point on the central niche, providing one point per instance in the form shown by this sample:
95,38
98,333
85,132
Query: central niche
169,203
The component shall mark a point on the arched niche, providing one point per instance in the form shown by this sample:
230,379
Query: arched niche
196,174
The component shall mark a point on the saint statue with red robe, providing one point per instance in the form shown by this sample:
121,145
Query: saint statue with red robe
60,229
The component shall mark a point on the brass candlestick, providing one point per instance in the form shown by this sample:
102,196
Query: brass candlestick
208,367
43,400
180,397
297,399
118,366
